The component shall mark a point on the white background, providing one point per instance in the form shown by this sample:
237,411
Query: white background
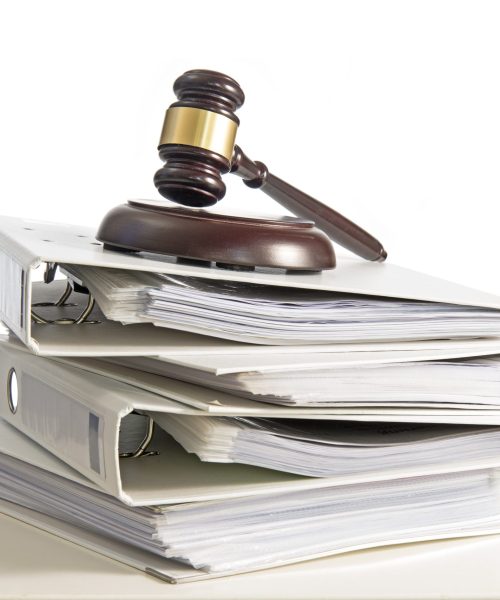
387,111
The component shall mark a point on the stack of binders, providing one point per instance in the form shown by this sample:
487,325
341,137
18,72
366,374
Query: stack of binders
195,422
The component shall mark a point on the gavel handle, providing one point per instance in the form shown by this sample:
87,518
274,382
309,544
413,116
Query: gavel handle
338,228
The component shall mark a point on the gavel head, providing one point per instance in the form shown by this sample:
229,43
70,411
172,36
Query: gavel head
197,139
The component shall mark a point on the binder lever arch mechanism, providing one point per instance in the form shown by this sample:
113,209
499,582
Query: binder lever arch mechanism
49,276
142,448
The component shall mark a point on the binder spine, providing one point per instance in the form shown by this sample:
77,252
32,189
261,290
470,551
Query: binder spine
62,424
13,290
50,413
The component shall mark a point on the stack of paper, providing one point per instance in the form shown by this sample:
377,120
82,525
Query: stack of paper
276,315
325,449
209,422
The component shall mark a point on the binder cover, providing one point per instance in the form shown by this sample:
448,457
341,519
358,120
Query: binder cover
353,356
218,403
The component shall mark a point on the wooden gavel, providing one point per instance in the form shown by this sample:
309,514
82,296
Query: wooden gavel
197,145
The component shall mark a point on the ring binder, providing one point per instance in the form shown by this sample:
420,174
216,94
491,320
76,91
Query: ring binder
23,248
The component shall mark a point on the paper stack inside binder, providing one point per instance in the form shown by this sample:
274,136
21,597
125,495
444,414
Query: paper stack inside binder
211,422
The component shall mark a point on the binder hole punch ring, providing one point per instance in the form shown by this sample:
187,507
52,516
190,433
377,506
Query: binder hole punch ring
142,448
48,277
12,391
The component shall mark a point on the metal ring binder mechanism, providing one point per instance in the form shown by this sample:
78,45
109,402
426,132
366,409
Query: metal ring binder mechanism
142,449
49,275
197,145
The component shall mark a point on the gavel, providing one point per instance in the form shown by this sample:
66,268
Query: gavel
197,146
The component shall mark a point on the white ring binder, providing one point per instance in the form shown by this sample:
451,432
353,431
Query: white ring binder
23,250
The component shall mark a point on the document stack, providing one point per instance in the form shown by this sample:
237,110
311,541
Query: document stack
198,422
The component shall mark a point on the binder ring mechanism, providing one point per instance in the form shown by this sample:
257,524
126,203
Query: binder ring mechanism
142,449
71,286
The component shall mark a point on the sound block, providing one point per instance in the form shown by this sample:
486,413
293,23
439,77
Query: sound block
229,241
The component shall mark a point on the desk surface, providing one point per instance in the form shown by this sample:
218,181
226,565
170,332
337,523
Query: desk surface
38,565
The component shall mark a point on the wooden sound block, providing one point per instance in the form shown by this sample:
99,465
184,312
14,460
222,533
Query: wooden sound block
229,241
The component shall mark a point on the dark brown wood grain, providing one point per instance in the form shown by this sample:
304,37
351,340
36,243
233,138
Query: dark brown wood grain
193,176
229,241
209,90
338,228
